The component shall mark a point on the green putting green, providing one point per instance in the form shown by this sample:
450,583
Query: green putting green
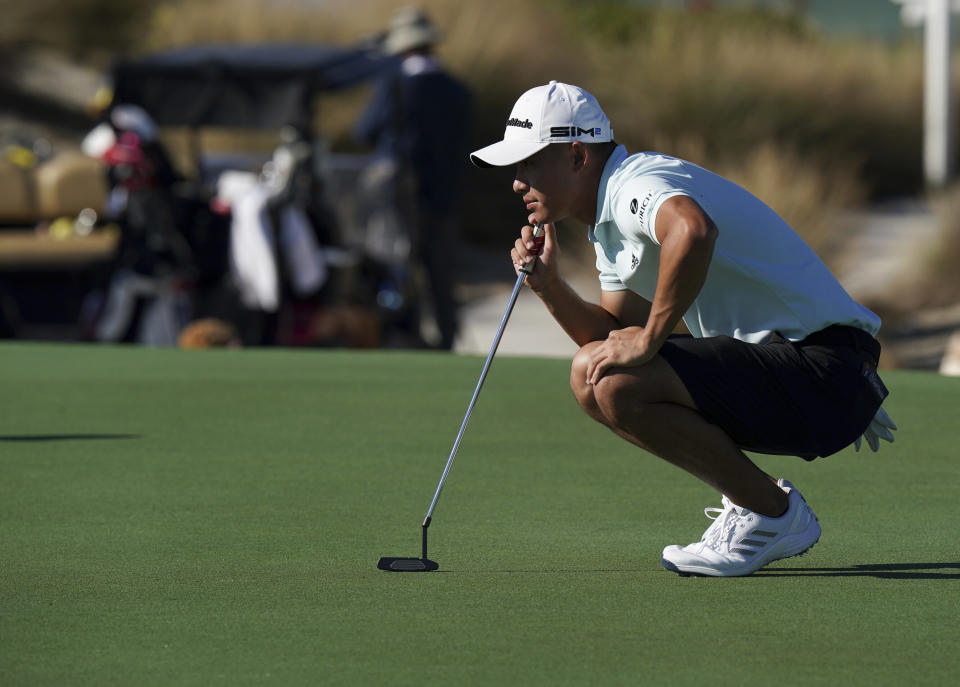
215,517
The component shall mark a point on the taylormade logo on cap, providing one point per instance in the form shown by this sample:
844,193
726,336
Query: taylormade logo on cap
543,115
525,124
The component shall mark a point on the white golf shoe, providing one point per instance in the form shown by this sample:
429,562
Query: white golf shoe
740,541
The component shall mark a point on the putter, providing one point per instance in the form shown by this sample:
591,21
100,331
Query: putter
424,564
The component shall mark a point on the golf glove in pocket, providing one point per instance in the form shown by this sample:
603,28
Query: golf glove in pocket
880,428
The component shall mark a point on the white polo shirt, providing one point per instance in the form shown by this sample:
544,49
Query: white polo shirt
763,277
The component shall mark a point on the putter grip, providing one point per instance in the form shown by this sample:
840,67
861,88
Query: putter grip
538,239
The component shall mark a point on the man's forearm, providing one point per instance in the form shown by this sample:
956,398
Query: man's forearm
581,320
684,260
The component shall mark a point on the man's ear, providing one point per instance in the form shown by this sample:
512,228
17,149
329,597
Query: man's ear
579,154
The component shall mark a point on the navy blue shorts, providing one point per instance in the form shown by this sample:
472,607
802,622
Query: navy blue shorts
805,398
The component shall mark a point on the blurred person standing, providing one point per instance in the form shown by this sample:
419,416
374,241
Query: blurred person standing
148,295
420,118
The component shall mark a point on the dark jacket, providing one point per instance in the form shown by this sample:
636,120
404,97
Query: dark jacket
425,123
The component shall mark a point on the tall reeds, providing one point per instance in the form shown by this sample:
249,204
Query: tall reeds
812,124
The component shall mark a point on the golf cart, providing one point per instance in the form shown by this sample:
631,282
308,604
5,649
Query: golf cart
274,245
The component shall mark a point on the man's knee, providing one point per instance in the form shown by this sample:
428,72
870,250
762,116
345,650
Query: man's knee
621,395
619,399
578,374
582,391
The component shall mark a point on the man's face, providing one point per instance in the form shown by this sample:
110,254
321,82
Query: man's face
545,180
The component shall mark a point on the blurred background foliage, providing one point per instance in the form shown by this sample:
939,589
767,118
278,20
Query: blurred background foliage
814,123
89,30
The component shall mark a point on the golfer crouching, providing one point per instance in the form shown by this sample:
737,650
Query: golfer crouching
781,359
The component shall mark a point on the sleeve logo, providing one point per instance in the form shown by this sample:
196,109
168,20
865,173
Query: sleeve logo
640,209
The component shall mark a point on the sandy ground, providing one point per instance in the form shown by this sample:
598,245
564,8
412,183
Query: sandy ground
531,331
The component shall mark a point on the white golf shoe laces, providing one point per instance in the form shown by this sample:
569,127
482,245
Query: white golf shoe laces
740,542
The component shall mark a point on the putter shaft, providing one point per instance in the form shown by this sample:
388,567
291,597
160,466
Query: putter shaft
524,271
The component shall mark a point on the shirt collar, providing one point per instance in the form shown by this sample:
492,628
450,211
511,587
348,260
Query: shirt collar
604,209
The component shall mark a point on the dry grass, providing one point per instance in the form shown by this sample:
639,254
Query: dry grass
92,30
828,101
809,195
494,56
811,125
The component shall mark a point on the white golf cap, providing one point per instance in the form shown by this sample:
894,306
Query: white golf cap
554,113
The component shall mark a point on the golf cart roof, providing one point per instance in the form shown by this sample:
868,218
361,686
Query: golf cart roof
254,86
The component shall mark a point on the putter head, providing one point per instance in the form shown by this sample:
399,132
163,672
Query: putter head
407,564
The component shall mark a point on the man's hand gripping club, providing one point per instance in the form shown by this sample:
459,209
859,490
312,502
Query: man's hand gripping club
621,348
537,244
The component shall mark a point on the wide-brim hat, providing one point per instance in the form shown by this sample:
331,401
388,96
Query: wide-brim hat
410,28
554,113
